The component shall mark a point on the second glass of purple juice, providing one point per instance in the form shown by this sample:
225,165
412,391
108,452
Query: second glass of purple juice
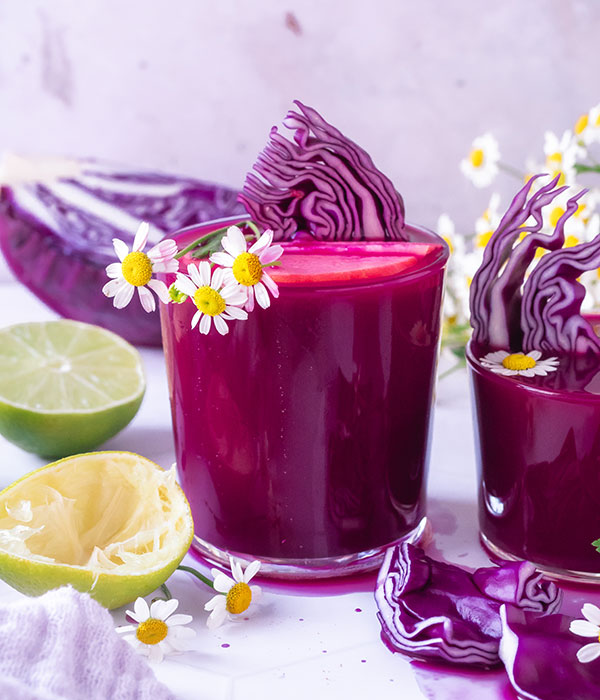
538,452
302,436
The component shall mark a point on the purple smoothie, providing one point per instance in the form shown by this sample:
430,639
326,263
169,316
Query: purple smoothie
303,434
538,452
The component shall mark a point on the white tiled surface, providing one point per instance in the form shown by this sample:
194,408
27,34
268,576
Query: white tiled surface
302,640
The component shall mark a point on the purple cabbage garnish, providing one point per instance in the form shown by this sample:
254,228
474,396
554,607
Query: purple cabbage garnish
321,183
539,655
496,311
551,308
436,611
56,233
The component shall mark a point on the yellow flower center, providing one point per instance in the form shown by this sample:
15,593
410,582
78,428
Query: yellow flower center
571,241
137,268
483,239
581,124
518,361
555,215
554,160
247,269
597,120
238,598
476,157
561,178
209,301
152,631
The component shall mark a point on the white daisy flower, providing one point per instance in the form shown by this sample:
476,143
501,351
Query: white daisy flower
247,267
590,627
158,631
525,365
488,222
136,269
587,127
215,299
234,594
561,156
481,165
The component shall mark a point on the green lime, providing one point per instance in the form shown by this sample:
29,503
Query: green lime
112,524
65,386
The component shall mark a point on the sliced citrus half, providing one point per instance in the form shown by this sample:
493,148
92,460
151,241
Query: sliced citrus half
66,387
112,524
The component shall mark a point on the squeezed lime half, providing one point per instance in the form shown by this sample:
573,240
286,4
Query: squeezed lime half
112,524
65,386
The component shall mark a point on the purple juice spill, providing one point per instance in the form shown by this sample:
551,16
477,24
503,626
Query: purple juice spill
304,432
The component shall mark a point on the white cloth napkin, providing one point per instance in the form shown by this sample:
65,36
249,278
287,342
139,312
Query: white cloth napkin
63,646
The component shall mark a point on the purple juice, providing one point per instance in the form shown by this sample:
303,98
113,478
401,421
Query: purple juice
538,451
303,434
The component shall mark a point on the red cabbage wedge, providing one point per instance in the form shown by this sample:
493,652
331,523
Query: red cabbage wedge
58,219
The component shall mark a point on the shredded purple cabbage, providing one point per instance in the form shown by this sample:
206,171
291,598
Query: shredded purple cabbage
321,183
551,309
432,610
539,654
497,284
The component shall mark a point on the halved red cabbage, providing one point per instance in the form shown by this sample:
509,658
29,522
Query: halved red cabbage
496,289
539,655
56,234
321,183
432,610
551,309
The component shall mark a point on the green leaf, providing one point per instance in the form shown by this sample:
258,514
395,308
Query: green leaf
596,544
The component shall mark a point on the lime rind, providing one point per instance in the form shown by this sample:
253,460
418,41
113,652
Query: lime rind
112,524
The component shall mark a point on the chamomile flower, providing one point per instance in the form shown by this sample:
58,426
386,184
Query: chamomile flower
488,222
215,299
234,594
587,126
561,156
525,365
590,627
247,267
136,270
158,631
481,165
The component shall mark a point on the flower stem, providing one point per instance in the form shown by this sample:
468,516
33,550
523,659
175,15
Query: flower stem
583,168
459,365
510,170
166,591
197,574
213,234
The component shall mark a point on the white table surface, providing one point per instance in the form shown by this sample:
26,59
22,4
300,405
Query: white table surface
319,641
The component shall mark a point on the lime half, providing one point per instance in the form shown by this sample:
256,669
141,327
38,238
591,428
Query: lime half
112,524
65,386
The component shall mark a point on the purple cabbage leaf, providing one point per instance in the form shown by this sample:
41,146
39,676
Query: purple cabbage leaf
431,610
540,657
321,183
496,290
551,309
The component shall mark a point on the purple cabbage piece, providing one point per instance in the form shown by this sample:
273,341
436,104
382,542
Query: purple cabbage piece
57,237
551,309
432,610
539,654
496,289
321,183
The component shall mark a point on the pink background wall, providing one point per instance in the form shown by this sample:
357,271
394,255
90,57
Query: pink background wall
193,86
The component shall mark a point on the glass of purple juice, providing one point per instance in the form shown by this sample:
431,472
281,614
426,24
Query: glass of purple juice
302,436
534,363
538,461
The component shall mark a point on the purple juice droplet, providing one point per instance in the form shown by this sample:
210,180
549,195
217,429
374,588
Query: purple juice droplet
357,610
363,661
225,646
